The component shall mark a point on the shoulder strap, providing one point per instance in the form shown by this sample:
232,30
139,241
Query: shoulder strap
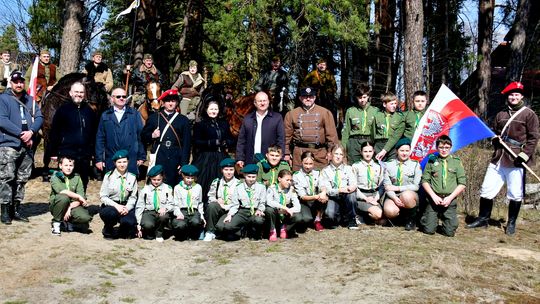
512,118
217,187
169,125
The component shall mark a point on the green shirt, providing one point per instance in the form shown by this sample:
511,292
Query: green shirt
61,182
388,126
412,119
444,174
358,121
269,177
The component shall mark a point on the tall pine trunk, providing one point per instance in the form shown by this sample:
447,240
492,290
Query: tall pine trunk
485,34
71,37
517,57
413,46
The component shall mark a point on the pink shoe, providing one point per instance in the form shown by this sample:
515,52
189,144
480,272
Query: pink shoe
318,226
283,233
273,236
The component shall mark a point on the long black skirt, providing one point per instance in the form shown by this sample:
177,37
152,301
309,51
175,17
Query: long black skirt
208,165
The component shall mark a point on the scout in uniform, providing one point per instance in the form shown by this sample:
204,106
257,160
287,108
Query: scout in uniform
154,205
443,179
413,116
369,177
517,127
306,184
357,126
118,195
282,206
67,201
219,197
401,182
188,206
387,128
248,204
270,166
339,182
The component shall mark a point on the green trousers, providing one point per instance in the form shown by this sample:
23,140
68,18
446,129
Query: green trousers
153,223
448,216
59,206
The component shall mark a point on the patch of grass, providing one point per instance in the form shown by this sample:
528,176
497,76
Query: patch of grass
128,271
16,302
200,260
110,272
128,300
193,274
72,293
107,285
273,248
62,281
223,261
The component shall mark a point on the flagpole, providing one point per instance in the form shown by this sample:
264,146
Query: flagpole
509,150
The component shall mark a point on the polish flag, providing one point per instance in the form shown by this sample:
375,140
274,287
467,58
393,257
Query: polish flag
32,86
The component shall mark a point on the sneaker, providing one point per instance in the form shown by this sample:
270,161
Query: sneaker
159,239
359,220
318,226
273,236
209,237
283,233
55,229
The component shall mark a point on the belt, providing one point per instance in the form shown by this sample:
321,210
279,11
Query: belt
121,203
360,136
511,141
369,190
169,143
308,145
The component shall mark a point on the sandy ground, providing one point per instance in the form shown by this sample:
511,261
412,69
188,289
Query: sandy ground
372,265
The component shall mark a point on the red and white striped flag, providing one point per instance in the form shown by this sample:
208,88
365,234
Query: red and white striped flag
32,85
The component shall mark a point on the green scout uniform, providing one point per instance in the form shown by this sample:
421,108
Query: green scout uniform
357,130
151,199
412,119
387,130
369,177
244,203
443,175
187,200
59,203
307,184
269,176
276,199
219,189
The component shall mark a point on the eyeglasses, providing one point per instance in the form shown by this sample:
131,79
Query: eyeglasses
120,96
444,148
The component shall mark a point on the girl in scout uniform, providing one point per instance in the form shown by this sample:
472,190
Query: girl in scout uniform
306,184
188,207
118,195
282,206
219,197
338,181
401,183
369,176
153,205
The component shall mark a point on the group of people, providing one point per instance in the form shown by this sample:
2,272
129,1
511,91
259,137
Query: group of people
296,172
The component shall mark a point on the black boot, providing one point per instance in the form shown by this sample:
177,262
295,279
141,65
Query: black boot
5,217
410,218
15,212
513,211
483,215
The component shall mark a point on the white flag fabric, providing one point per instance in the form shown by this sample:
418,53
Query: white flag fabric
128,10
32,86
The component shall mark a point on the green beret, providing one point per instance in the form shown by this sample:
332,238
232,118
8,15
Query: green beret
120,154
189,170
155,171
227,162
402,142
250,169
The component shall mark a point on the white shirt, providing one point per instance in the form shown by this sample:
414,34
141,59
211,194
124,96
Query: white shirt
119,113
258,132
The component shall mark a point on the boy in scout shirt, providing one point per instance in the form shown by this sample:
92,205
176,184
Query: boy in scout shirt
247,206
67,200
188,206
401,182
443,179
283,207
118,195
153,205
387,128
219,197
413,116
270,166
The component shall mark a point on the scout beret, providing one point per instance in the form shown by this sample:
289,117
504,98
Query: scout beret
227,162
192,63
513,87
44,51
308,91
120,154
402,142
189,170
250,169
171,94
16,75
147,56
155,171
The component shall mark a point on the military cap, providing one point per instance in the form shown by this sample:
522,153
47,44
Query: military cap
250,169
148,56
189,170
515,86
155,171
227,162
171,94
97,53
44,51
308,91
120,154
321,60
402,142
192,63
16,75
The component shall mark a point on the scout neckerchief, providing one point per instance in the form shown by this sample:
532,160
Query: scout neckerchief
370,176
282,200
417,119
399,174
67,182
337,178
250,197
274,175
364,119
444,172
188,197
156,199
122,188
226,193
387,125
311,188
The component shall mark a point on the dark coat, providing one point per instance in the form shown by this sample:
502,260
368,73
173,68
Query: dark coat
212,136
273,133
10,118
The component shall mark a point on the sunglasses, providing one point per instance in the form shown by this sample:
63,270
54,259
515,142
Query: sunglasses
120,96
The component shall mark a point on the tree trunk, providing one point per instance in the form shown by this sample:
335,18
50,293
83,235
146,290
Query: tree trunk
485,34
413,46
385,13
71,37
517,62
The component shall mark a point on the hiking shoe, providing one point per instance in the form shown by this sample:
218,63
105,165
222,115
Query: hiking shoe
209,236
67,226
273,236
159,239
55,229
283,233
318,226
359,220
